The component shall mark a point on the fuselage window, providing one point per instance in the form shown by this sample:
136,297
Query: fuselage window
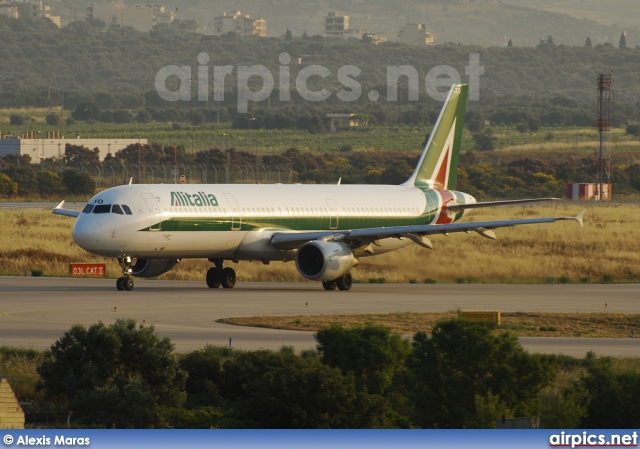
87,209
102,209
116,209
127,210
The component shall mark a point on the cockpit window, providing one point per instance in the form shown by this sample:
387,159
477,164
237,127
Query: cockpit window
102,209
116,209
87,209
127,210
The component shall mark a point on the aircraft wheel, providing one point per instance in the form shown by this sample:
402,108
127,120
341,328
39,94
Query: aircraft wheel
345,282
128,284
120,284
228,278
213,278
329,285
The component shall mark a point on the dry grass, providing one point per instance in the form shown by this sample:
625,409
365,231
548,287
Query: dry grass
606,248
592,325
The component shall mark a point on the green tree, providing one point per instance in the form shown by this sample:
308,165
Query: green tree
623,41
122,116
16,120
587,43
610,389
633,129
143,116
24,176
510,43
371,352
121,375
78,183
87,111
79,154
485,141
53,119
268,389
464,376
50,183
287,35
7,186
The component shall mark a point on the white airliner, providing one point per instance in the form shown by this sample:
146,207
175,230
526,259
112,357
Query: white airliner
326,229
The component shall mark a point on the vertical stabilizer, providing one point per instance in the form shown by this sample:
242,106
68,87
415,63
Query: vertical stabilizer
438,165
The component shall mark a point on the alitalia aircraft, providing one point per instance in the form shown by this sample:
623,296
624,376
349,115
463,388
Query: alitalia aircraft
325,229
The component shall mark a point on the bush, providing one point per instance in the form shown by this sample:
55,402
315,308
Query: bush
16,120
122,375
78,183
633,129
7,186
53,119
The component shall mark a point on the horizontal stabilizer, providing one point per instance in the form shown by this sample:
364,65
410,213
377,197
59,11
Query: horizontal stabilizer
457,207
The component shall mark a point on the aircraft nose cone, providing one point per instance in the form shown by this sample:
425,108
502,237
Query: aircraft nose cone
86,233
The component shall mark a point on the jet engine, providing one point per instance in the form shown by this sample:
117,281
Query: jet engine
148,268
324,261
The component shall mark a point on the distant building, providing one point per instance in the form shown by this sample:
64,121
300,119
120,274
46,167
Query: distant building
338,26
9,11
346,121
335,25
416,34
187,25
142,17
241,24
34,9
53,147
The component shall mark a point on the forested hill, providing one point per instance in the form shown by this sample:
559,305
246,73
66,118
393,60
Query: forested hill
114,67
478,22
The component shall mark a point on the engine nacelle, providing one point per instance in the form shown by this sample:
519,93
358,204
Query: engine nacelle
148,268
324,261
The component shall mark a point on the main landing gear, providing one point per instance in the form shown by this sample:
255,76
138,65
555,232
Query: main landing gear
342,283
218,276
125,282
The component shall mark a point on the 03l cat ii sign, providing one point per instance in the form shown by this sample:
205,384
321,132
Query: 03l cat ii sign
97,270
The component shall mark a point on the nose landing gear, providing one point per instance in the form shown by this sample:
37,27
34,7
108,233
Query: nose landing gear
125,282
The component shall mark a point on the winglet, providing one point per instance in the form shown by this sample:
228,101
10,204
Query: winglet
66,212
577,218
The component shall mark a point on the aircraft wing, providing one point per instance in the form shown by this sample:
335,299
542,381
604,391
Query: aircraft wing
66,212
456,207
293,240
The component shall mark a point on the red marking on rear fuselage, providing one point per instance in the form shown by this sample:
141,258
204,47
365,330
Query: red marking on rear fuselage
447,197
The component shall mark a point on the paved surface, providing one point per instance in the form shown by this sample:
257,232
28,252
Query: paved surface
35,312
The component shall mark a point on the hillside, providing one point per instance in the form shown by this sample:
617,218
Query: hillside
469,22
622,13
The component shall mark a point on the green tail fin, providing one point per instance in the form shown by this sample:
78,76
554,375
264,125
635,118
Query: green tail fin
438,165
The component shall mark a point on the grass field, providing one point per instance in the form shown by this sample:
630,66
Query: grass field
605,250
522,324
546,142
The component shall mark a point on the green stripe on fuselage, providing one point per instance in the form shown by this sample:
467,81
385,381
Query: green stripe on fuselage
302,223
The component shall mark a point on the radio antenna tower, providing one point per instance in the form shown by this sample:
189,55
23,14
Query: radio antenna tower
603,123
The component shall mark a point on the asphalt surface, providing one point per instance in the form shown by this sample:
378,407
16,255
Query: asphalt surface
35,312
